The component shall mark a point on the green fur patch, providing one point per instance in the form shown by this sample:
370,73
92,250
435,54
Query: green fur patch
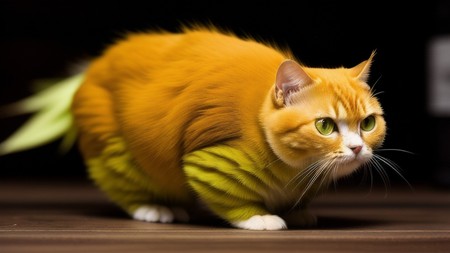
228,181
116,173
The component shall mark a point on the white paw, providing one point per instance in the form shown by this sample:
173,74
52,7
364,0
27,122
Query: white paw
262,222
154,213
157,213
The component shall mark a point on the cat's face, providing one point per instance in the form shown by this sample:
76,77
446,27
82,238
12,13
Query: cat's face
324,116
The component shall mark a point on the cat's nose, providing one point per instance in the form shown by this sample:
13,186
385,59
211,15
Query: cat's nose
356,149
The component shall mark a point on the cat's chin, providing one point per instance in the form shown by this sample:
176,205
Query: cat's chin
345,170
346,167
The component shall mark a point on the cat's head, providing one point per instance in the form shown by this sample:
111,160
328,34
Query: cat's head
326,116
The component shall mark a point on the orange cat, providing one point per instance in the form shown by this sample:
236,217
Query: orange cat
166,119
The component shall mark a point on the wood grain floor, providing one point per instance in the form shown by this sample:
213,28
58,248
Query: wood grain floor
63,216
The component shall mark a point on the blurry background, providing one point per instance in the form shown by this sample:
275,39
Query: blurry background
43,39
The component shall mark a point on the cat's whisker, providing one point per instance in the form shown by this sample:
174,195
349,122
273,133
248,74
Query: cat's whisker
323,175
304,173
384,177
371,175
372,88
382,170
317,173
363,168
395,167
328,174
396,149
271,163
367,170
336,175
312,170
377,93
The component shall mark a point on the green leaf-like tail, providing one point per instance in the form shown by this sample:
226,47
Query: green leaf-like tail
51,117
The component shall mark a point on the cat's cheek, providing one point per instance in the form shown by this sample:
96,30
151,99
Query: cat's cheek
288,147
378,141
293,148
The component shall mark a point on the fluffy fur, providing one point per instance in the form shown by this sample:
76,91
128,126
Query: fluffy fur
165,119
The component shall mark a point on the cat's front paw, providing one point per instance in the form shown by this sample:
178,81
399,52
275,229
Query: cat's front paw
157,213
262,222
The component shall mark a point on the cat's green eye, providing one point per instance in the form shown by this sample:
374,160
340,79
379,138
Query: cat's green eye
325,126
368,123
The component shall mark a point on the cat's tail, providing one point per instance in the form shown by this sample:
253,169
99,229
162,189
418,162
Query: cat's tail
51,118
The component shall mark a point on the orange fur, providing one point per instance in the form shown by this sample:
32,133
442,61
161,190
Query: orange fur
167,95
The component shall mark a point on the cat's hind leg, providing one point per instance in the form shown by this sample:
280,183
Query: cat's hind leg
116,173
110,162
158,213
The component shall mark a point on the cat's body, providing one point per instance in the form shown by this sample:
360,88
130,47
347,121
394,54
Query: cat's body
167,119
174,94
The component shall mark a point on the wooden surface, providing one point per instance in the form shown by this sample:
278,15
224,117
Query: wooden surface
59,216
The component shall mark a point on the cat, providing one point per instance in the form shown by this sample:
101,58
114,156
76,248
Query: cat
166,121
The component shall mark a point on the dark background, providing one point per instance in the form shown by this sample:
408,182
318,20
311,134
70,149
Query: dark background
42,39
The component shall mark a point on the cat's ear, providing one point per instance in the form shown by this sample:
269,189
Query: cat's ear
362,70
290,79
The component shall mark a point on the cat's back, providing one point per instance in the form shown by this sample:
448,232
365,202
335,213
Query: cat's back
198,86
193,50
169,78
